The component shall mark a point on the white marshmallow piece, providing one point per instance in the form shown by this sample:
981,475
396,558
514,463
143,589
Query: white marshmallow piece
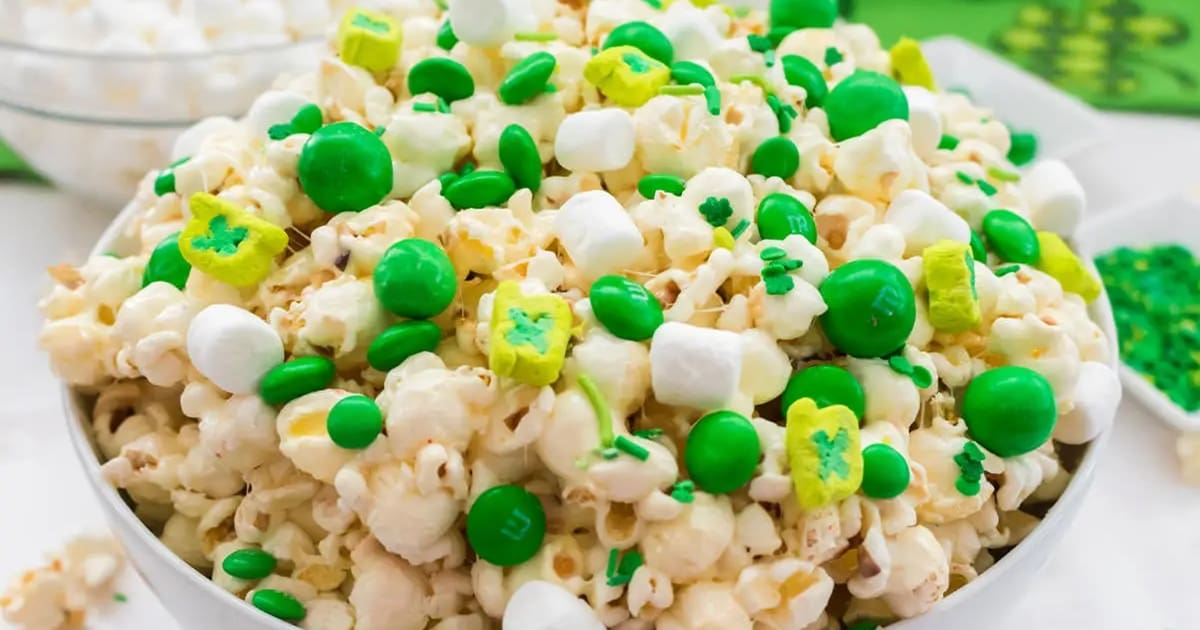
274,107
1055,197
597,233
233,348
188,143
1097,394
490,23
539,605
924,221
695,367
924,119
595,140
692,34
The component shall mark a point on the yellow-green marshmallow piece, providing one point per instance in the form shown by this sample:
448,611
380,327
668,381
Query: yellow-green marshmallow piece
823,447
950,279
909,65
529,335
369,39
626,75
1060,263
228,243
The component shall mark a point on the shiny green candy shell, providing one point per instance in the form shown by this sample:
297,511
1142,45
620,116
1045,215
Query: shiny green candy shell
722,452
354,422
1011,237
799,71
480,189
650,184
528,79
278,604
871,308
688,72
167,264
776,157
520,158
780,215
442,76
625,308
415,279
885,472
343,167
506,525
1010,410
826,385
644,37
292,379
249,564
863,101
795,14
401,341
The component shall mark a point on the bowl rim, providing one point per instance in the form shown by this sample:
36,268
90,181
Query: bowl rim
105,121
19,46
1058,515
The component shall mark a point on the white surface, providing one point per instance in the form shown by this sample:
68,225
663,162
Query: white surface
1173,219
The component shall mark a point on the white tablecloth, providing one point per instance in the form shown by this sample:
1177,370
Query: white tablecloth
1128,564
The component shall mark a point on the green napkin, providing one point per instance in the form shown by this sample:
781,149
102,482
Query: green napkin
1115,54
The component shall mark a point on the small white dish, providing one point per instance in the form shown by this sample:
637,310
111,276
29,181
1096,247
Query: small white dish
1173,219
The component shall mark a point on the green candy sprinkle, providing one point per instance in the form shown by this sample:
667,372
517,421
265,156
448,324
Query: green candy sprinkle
249,564
772,253
446,39
480,189
712,99
167,264
120,598
535,37
354,422
978,251
442,76
687,72
716,210
1002,175
682,491
396,344
987,188
948,142
833,56
650,184
520,158
740,228
629,447
528,79
278,604
801,72
645,37
776,157
1007,269
292,379
424,107
600,407
691,89
964,178
648,434
165,182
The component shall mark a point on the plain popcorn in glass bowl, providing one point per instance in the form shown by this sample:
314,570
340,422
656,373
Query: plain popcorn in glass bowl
594,316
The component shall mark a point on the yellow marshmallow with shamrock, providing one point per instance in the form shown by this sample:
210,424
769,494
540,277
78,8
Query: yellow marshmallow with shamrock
369,39
228,243
529,335
824,451
626,75
1059,262
950,280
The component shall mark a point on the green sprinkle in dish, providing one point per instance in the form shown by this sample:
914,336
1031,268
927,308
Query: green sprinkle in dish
354,422
722,452
776,157
863,101
527,79
249,564
687,72
167,264
278,604
644,37
442,76
506,525
520,158
480,189
396,344
649,185
292,379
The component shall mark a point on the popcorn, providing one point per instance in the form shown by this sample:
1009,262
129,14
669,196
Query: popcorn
1055,196
60,594
693,366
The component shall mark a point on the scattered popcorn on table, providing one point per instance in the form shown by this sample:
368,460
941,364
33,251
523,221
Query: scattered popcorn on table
59,595
598,314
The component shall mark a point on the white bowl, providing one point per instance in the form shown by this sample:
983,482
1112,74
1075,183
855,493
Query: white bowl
198,604
1174,219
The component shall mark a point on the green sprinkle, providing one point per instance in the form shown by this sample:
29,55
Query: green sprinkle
691,89
779,285
752,78
833,56
609,453
535,37
987,188
970,466
712,99
620,569
442,105
1007,269
716,210
120,597
654,4
948,142
759,43
964,178
740,228
614,557
632,448
648,434
1003,175
599,407
424,107
783,113
682,491
773,253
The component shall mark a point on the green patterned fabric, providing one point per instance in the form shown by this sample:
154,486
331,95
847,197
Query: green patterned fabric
1115,54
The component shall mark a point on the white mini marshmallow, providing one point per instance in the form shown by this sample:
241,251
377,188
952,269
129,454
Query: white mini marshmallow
595,140
188,142
274,107
1097,394
490,23
539,605
597,233
691,32
925,120
233,348
925,221
694,366
1056,199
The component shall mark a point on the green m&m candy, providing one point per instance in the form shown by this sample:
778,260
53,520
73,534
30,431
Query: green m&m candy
795,14
167,264
480,189
526,80
644,37
1010,410
401,341
506,525
688,72
415,279
780,215
871,308
442,76
1011,237
278,604
861,102
249,564
292,379
343,167
650,184
625,308
722,452
826,385
885,472
520,158
801,72
776,157
1023,148
354,422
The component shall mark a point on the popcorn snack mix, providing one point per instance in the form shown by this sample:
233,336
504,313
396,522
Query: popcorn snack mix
592,315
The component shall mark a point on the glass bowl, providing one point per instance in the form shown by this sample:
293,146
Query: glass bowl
95,124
